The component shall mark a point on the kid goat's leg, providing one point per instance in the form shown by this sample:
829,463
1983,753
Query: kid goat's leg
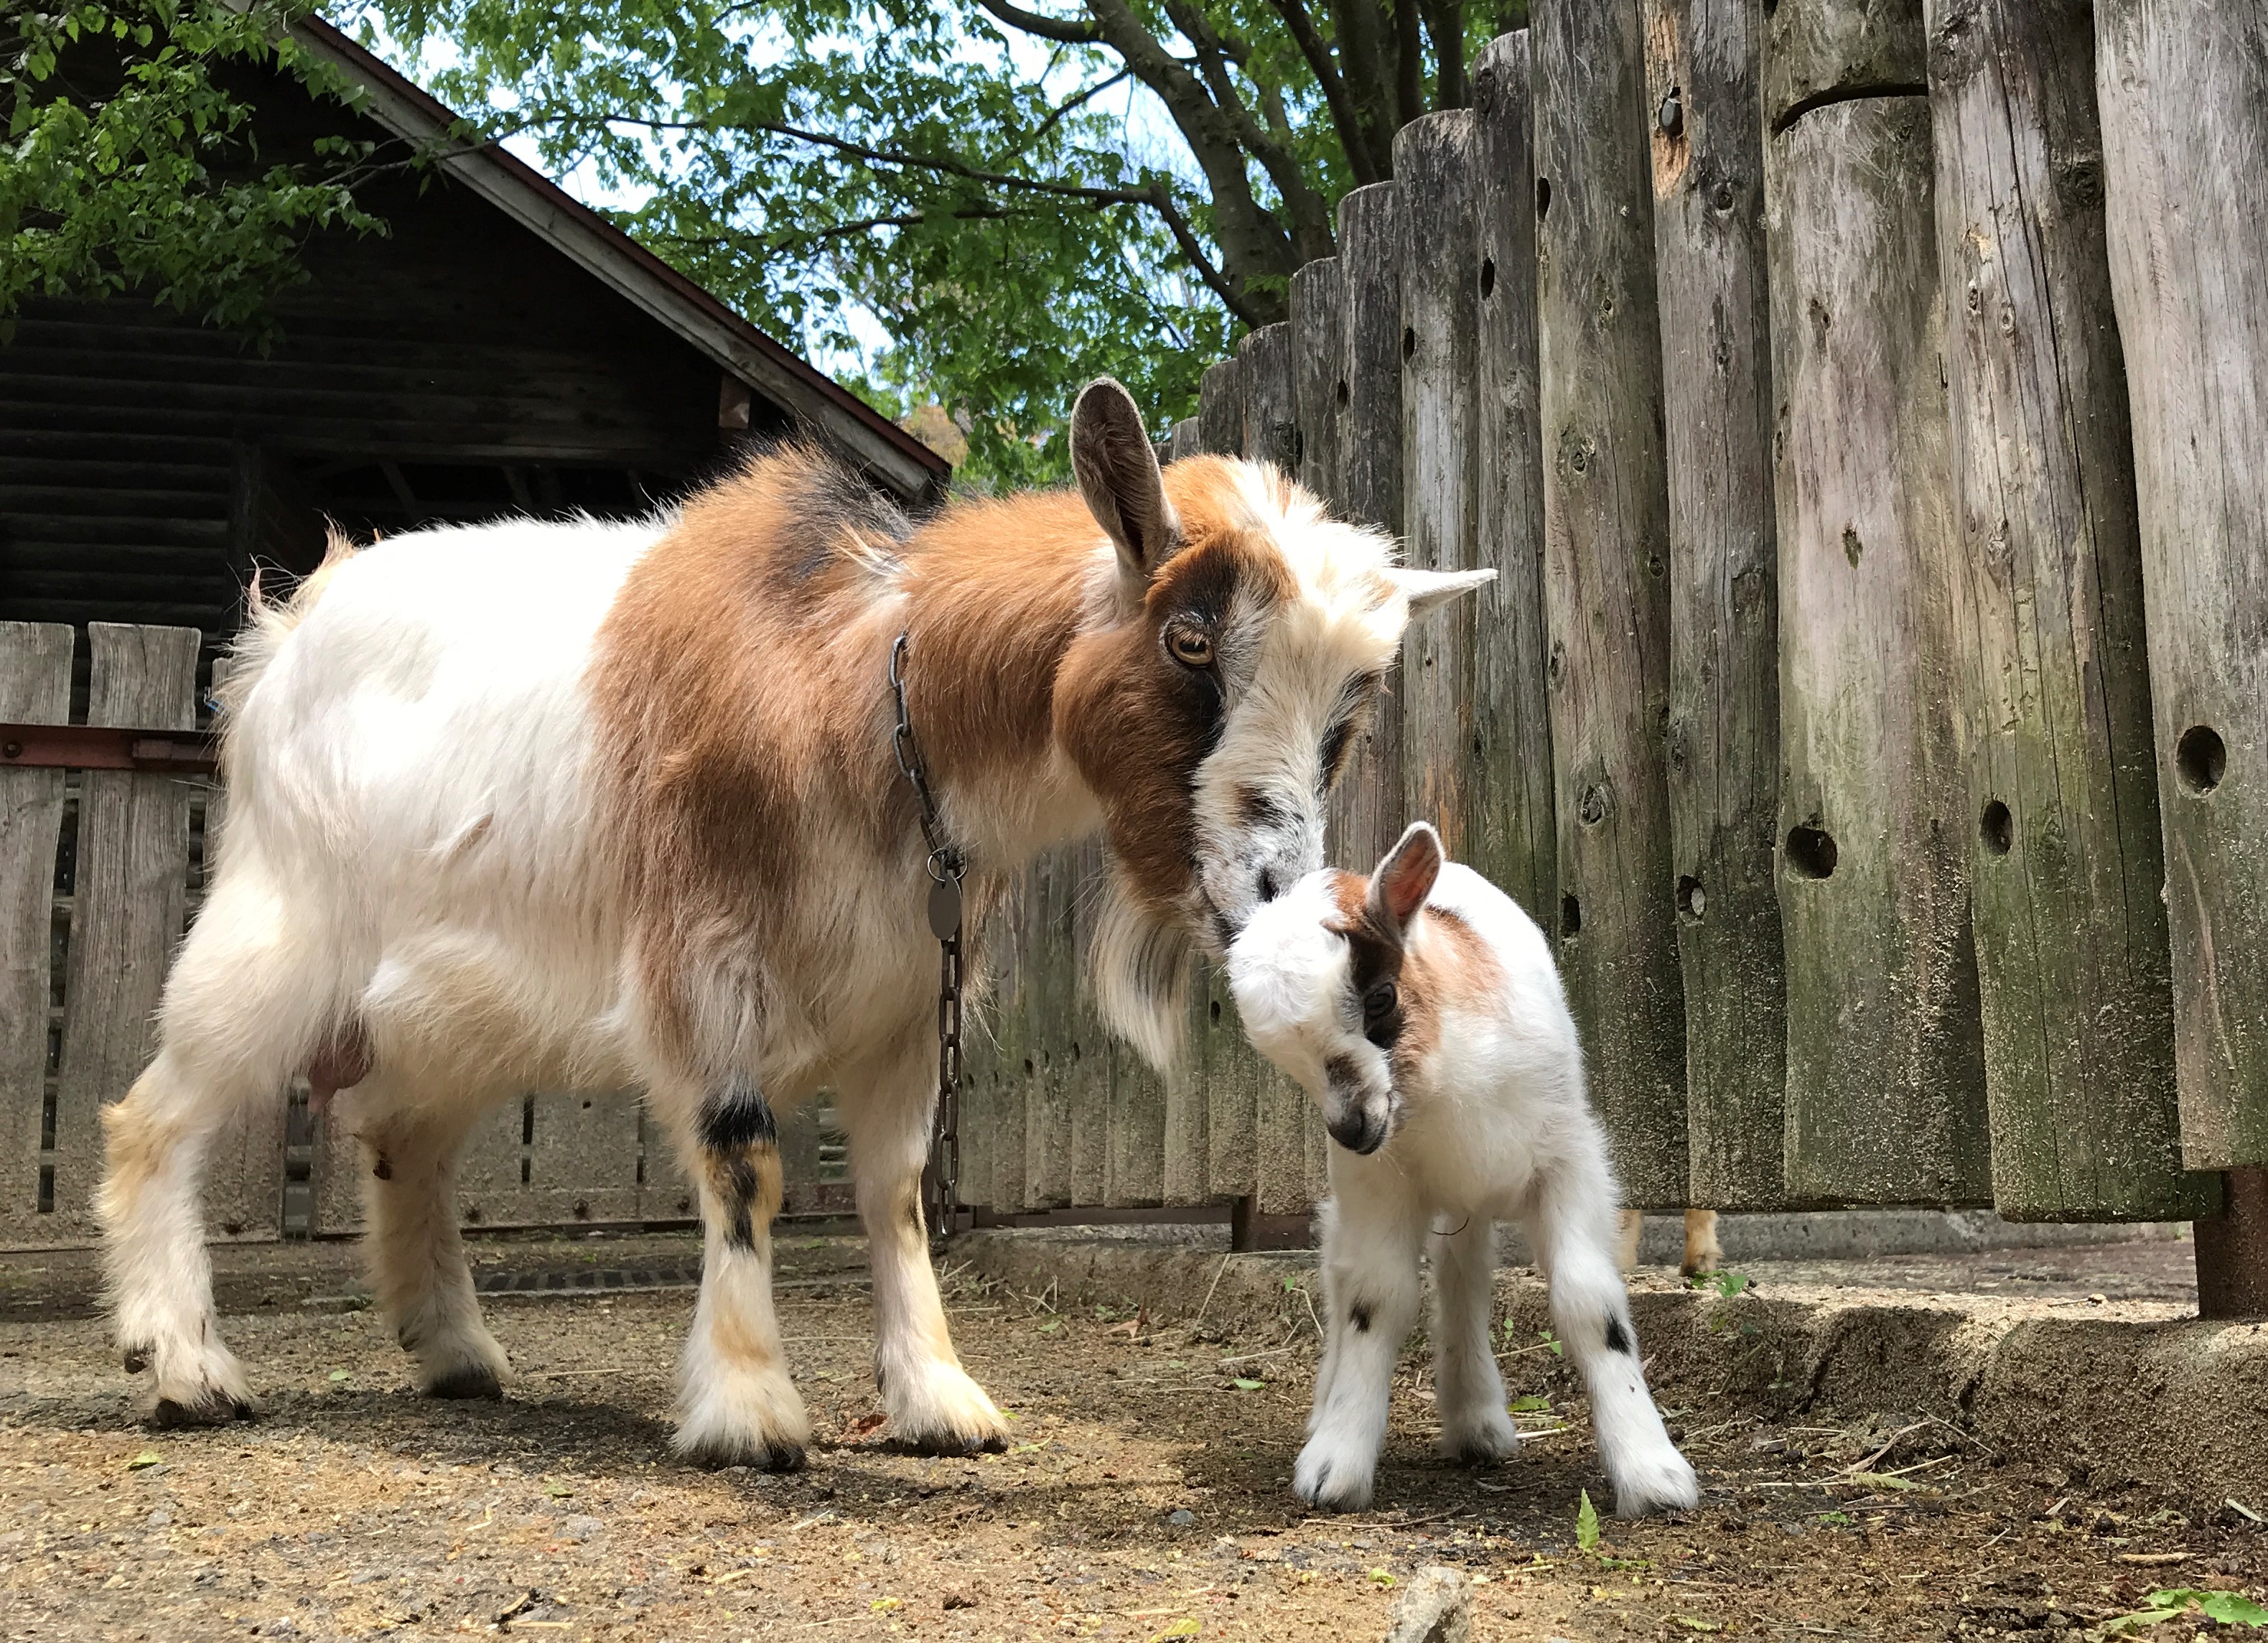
1574,1220
736,1405
933,1405
416,1258
1474,1425
159,1278
1370,1282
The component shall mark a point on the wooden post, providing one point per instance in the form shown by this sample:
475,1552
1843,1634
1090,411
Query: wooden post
1885,1059
35,676
1317,357
1220,408
1316,375
2066,864
1369,477
128,897
1183,441
1087,1076
1511,828
1605,581
1271,422
1049,982
1706,113
1436,160
1009,1020
2184,96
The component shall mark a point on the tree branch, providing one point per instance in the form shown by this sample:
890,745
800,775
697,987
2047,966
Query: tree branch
1178,225
1044,27
1344,115
1080,100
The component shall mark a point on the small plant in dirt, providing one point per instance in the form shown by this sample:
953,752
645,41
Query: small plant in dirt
2227,1609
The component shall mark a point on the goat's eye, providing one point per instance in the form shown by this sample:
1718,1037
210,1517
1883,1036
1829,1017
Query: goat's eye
1191,648
1379,1001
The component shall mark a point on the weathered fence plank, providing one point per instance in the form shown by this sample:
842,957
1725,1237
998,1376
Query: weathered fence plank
1049,989
1703,63
35,673
1885,1066
129,898
1088,1075
1315,376
2066,862
1221,408
1271,419
2183,94
1369,397
1435,158
1605,583
1184,440
1511,832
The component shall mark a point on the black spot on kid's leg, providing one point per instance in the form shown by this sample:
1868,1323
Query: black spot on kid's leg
1618,1338
1358,1314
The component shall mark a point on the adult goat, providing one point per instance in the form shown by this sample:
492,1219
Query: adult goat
546,804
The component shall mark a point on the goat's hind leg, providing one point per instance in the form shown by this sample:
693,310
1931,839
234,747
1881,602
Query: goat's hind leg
417,1267
159,1276
736,1405
1574,1221
1475,1426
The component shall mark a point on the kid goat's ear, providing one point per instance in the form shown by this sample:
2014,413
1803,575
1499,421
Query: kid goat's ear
1117,470
1405,878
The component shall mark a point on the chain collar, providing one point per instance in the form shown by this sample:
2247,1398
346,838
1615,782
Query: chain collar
947,866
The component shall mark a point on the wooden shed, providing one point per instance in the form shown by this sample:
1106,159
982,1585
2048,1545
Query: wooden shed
503,349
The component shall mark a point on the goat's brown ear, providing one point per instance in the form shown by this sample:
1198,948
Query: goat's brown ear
1117,470
1405,878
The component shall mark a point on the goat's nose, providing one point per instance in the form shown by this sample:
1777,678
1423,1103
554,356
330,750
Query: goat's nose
1352,1129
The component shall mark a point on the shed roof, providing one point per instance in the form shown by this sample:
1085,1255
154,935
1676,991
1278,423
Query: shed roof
855,429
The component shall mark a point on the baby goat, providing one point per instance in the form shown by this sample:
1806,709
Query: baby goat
1421,1010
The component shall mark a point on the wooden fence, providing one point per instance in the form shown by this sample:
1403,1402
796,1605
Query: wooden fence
1892,772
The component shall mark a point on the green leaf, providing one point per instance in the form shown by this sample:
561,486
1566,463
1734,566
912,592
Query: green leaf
339,1374
1891,1480
148,1457
1587,1524
1731,1284
1382,1578
1185,1627
1243,1385
1530,1405
2230,1608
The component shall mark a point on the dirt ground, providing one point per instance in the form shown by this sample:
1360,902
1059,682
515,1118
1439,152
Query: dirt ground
1145,1496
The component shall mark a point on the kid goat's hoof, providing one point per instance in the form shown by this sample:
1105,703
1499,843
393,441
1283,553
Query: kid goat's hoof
1330,1487
780,1456
1658,1483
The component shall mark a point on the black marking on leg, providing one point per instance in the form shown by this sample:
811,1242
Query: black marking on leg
737,1117
382,1167
1618,1338
1358,1314
740,1174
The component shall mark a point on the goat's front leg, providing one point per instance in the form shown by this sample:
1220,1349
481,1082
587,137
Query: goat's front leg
933,1405
736,1405
1574,1220
1370,1262
1476,1427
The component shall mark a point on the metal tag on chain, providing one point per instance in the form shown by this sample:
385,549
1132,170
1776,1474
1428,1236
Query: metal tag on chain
945,909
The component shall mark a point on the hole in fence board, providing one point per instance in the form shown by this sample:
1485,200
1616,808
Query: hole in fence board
1571,916
1488,279
2201,758
1345,394
1690,900
1810,853
1410,342
47,1189
1543,197
1997,827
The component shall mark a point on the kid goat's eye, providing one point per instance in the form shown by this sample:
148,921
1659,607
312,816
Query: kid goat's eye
1378,1001
1191,648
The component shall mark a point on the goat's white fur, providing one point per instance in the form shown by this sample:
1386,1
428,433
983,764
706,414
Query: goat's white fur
1491,1123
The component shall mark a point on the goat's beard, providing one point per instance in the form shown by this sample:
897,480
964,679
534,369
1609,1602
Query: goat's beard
1138,964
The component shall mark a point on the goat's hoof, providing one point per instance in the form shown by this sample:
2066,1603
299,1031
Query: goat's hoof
466,1380
136,1359
1659,1482
1329,1486
951,1443
780,1456
215,1409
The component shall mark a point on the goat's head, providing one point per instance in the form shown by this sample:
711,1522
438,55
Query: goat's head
1252,636
1319,979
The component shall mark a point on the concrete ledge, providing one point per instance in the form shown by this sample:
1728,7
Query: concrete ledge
2117,1394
